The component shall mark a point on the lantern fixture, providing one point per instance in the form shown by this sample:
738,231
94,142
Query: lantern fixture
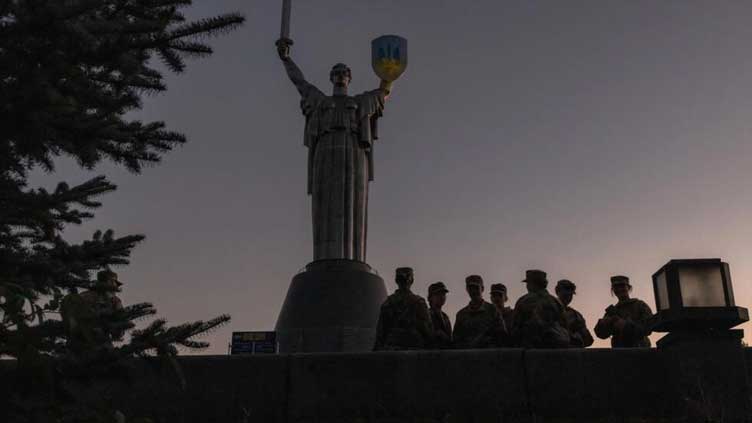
695,294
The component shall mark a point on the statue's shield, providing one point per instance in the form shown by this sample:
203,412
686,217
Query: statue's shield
389,56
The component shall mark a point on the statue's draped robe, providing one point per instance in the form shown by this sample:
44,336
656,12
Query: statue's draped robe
339,134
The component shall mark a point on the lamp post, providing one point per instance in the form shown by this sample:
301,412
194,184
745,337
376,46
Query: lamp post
703,354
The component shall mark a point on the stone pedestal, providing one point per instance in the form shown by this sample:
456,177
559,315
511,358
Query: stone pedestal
331,306
708,371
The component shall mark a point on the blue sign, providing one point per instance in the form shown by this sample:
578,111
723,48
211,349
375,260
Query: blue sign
253,343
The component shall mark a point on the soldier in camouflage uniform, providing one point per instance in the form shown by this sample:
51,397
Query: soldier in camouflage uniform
578,332
499,299
88,317
538,320
479,324
442,327
628,321
404,322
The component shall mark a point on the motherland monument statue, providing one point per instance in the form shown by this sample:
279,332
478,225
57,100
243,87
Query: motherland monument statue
333,304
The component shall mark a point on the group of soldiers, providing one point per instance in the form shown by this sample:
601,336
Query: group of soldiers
538,319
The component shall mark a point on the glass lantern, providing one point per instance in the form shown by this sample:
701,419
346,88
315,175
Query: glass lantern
695,294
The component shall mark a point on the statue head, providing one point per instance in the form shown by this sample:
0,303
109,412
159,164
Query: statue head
340,75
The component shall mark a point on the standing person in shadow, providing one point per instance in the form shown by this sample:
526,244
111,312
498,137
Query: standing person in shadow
538,316
628,321
404,323
578,332
499,299
442,327
479,324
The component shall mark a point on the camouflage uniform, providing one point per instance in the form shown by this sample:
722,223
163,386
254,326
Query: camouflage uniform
497,290
578,331
87,317
637,315
480,325
539,320
637,318
442,327
506,311
404,322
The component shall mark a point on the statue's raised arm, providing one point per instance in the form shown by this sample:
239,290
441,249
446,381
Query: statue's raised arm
293,71
386,87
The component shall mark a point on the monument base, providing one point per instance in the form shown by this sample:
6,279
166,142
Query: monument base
331,306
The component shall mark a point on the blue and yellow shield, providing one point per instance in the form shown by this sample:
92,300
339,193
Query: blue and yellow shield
389,56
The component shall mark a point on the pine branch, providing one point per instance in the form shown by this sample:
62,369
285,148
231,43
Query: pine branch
214,26
68,67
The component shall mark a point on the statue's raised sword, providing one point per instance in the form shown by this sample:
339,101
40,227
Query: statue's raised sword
284,32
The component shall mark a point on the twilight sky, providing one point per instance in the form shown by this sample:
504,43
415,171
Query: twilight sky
583,138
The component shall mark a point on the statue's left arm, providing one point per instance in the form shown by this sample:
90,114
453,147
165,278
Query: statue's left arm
386,87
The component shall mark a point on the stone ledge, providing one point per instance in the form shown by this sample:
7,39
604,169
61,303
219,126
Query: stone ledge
506,385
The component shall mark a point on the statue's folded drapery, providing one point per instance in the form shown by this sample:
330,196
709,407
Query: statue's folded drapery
339,133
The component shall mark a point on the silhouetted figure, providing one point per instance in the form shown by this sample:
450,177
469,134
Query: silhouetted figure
442,327
538,316
628,321
579,334
88,317
479,324
340,131
499,299
404,322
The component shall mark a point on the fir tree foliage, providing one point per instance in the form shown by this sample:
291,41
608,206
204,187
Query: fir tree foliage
70,73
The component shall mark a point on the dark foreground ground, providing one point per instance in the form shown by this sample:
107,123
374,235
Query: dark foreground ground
508,385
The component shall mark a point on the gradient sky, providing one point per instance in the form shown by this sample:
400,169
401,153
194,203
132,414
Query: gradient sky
584,138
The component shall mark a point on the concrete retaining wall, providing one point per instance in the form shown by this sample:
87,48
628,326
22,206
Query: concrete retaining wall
507,385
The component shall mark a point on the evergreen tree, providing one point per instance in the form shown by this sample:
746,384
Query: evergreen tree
70,71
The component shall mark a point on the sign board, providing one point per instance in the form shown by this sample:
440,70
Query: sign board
253,343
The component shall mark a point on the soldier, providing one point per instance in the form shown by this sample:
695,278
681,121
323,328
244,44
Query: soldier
479,324
538,316
88,316
499,299
404,323
442,327
628,321
578,332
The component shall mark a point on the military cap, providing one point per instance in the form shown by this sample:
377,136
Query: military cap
498,288
619,280
535,275
566,284
474,280
436,288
